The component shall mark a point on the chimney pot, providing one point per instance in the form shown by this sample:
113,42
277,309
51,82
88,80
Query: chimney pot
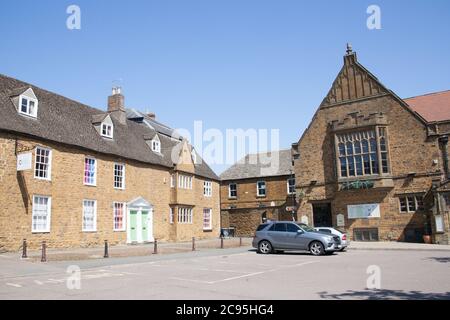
151,115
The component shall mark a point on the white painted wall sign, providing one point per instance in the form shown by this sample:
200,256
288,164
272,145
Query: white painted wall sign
305,220
439,224
24,161
364,211
340,220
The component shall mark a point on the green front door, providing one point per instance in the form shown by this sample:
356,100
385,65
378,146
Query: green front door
133,226
144,217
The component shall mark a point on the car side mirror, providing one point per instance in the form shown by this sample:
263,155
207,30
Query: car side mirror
299,231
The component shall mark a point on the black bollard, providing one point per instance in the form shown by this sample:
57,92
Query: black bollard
24,249
193,243
106,255
44,252
155,247
221,242
240,242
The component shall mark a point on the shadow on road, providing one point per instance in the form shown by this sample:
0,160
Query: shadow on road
385,295
440,259
293,253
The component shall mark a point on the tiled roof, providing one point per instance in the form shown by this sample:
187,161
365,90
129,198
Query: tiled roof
432,107
272,164
69,122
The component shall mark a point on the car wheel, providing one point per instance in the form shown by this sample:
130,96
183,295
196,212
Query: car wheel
265,247
316,248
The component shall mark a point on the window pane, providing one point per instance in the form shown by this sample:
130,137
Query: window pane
384,163
403,207
366,160
383,144
119,216
349,148
359,165
357,147
351,166
24,106
40,214
341,149
292,228
280,227
343,167
373,145
411,203
374,162
42,166
365,146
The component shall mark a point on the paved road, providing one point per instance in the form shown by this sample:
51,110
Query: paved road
235,274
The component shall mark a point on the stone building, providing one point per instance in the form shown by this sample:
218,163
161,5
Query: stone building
371,163
258,188
75,176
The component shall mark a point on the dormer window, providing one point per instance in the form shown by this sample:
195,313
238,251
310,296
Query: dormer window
107,130
28,106
156,145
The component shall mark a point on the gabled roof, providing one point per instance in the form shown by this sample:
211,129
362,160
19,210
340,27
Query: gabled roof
266,164
432,107
69,122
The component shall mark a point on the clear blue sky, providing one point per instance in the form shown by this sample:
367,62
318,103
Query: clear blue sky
230,63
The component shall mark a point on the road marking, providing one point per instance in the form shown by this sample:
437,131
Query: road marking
243,276
15,285
220,270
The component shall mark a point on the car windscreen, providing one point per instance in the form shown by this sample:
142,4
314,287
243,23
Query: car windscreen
262,226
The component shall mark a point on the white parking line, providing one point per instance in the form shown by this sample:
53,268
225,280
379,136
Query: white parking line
241,276
15,285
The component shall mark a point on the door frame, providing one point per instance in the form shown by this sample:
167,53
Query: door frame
139,205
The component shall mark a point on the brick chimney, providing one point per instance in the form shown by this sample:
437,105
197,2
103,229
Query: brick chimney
116,101
116,105
151,115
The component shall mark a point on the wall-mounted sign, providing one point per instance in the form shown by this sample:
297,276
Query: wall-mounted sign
305,220
340,220
439,224
364,211
24,161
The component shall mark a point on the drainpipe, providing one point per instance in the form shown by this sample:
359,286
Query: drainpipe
444,143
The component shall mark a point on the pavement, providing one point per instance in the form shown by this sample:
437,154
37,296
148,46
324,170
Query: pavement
121,251
234,274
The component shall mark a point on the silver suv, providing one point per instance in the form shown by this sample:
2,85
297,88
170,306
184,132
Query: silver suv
287,235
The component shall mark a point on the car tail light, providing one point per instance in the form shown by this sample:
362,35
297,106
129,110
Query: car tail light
344,237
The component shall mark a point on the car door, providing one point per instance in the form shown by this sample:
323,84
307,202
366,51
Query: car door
295,240
277,235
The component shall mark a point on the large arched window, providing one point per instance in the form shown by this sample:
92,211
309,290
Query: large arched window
360,153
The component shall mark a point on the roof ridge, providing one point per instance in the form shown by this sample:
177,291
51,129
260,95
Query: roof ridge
428,94
25,84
